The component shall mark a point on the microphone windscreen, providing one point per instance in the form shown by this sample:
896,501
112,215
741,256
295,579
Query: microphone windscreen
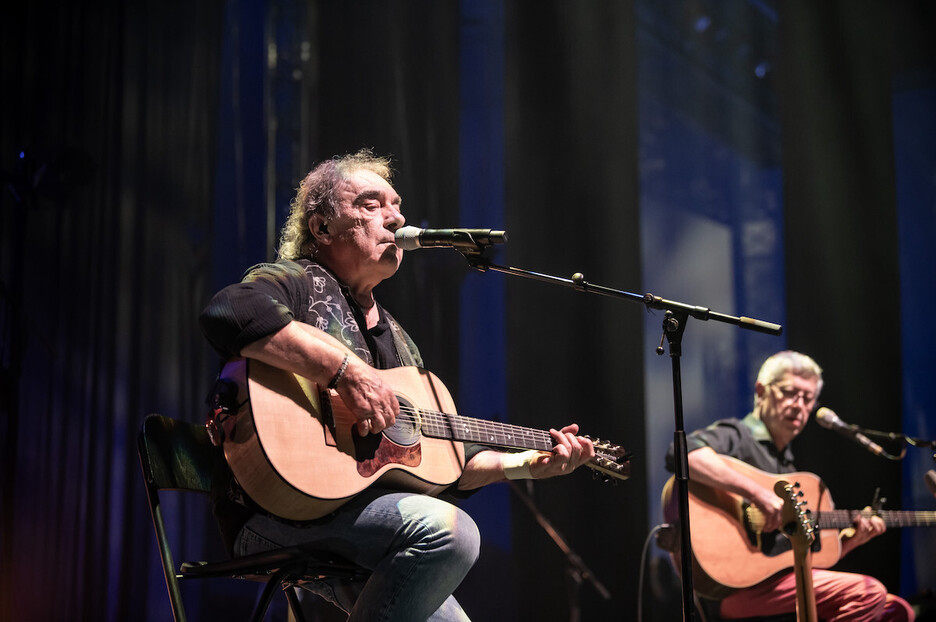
827,418
407,238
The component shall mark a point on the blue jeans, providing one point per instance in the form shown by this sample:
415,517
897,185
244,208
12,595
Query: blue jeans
418,548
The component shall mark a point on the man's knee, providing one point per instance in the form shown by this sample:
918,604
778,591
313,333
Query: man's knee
444,528
461,536
874,591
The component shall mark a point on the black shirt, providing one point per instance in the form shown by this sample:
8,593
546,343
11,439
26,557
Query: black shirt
745,439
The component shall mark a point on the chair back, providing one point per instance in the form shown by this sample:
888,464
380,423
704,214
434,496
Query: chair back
174,455
177,455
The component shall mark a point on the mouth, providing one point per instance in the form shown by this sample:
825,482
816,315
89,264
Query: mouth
391,247
795,422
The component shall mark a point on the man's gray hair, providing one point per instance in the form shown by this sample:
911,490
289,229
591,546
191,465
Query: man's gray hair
788,362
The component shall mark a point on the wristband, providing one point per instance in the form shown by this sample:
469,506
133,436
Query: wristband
338,374
517,465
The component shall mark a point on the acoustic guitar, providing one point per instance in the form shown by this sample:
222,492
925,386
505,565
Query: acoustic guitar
731,549
295,450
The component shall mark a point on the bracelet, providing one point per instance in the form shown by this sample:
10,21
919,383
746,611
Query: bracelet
338,374
517,465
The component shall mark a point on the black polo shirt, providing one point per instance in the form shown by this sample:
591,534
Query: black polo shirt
746,439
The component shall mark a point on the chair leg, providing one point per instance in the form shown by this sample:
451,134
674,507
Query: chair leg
264,603
294,605
700,611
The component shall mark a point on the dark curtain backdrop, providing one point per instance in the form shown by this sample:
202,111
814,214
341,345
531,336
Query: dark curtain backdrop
571,188
836,73
144,186
106,230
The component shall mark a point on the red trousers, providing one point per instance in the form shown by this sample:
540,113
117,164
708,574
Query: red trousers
840,596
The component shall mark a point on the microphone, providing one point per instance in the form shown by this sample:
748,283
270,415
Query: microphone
930,479
411,238
827,418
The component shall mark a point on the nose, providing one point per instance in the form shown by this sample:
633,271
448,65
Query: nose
802,403
394,218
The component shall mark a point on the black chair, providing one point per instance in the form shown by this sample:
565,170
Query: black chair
179,456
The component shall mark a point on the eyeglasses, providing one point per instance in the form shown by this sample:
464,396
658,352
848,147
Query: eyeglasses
789,394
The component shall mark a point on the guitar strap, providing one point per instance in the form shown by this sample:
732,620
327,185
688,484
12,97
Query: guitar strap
409,356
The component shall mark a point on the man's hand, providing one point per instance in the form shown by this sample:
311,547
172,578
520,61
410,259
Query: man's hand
771,506
372,402
570,452
863,529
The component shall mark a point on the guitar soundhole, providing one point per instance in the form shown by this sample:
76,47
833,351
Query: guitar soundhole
405,431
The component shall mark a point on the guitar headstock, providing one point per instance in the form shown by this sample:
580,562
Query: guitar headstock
612,461
797,523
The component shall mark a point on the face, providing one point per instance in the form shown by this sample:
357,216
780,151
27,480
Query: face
359,244
785,406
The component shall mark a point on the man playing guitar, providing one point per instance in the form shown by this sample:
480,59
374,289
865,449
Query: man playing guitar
786,391
313,314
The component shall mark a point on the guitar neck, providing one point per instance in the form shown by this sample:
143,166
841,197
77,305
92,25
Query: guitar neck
610,460
840,519
471,430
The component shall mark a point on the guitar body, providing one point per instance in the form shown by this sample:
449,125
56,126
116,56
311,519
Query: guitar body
727,552
295,451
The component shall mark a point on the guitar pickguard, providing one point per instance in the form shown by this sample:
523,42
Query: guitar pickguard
374,452
397,445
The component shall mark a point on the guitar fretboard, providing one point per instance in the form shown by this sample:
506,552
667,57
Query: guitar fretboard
840,519
469,429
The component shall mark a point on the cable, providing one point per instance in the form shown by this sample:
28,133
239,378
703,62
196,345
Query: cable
643,565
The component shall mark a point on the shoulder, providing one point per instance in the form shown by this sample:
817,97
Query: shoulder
278,269
724,426
725,436
300,270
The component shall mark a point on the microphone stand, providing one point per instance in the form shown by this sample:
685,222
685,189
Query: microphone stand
676,316
896,436
576,569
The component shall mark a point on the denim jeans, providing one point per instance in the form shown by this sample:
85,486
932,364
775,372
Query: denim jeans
418,548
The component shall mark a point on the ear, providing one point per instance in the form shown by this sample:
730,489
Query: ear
319,229
760,389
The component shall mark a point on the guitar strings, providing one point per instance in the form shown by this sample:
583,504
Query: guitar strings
542,439
409,414
839,519
529,436
897,518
